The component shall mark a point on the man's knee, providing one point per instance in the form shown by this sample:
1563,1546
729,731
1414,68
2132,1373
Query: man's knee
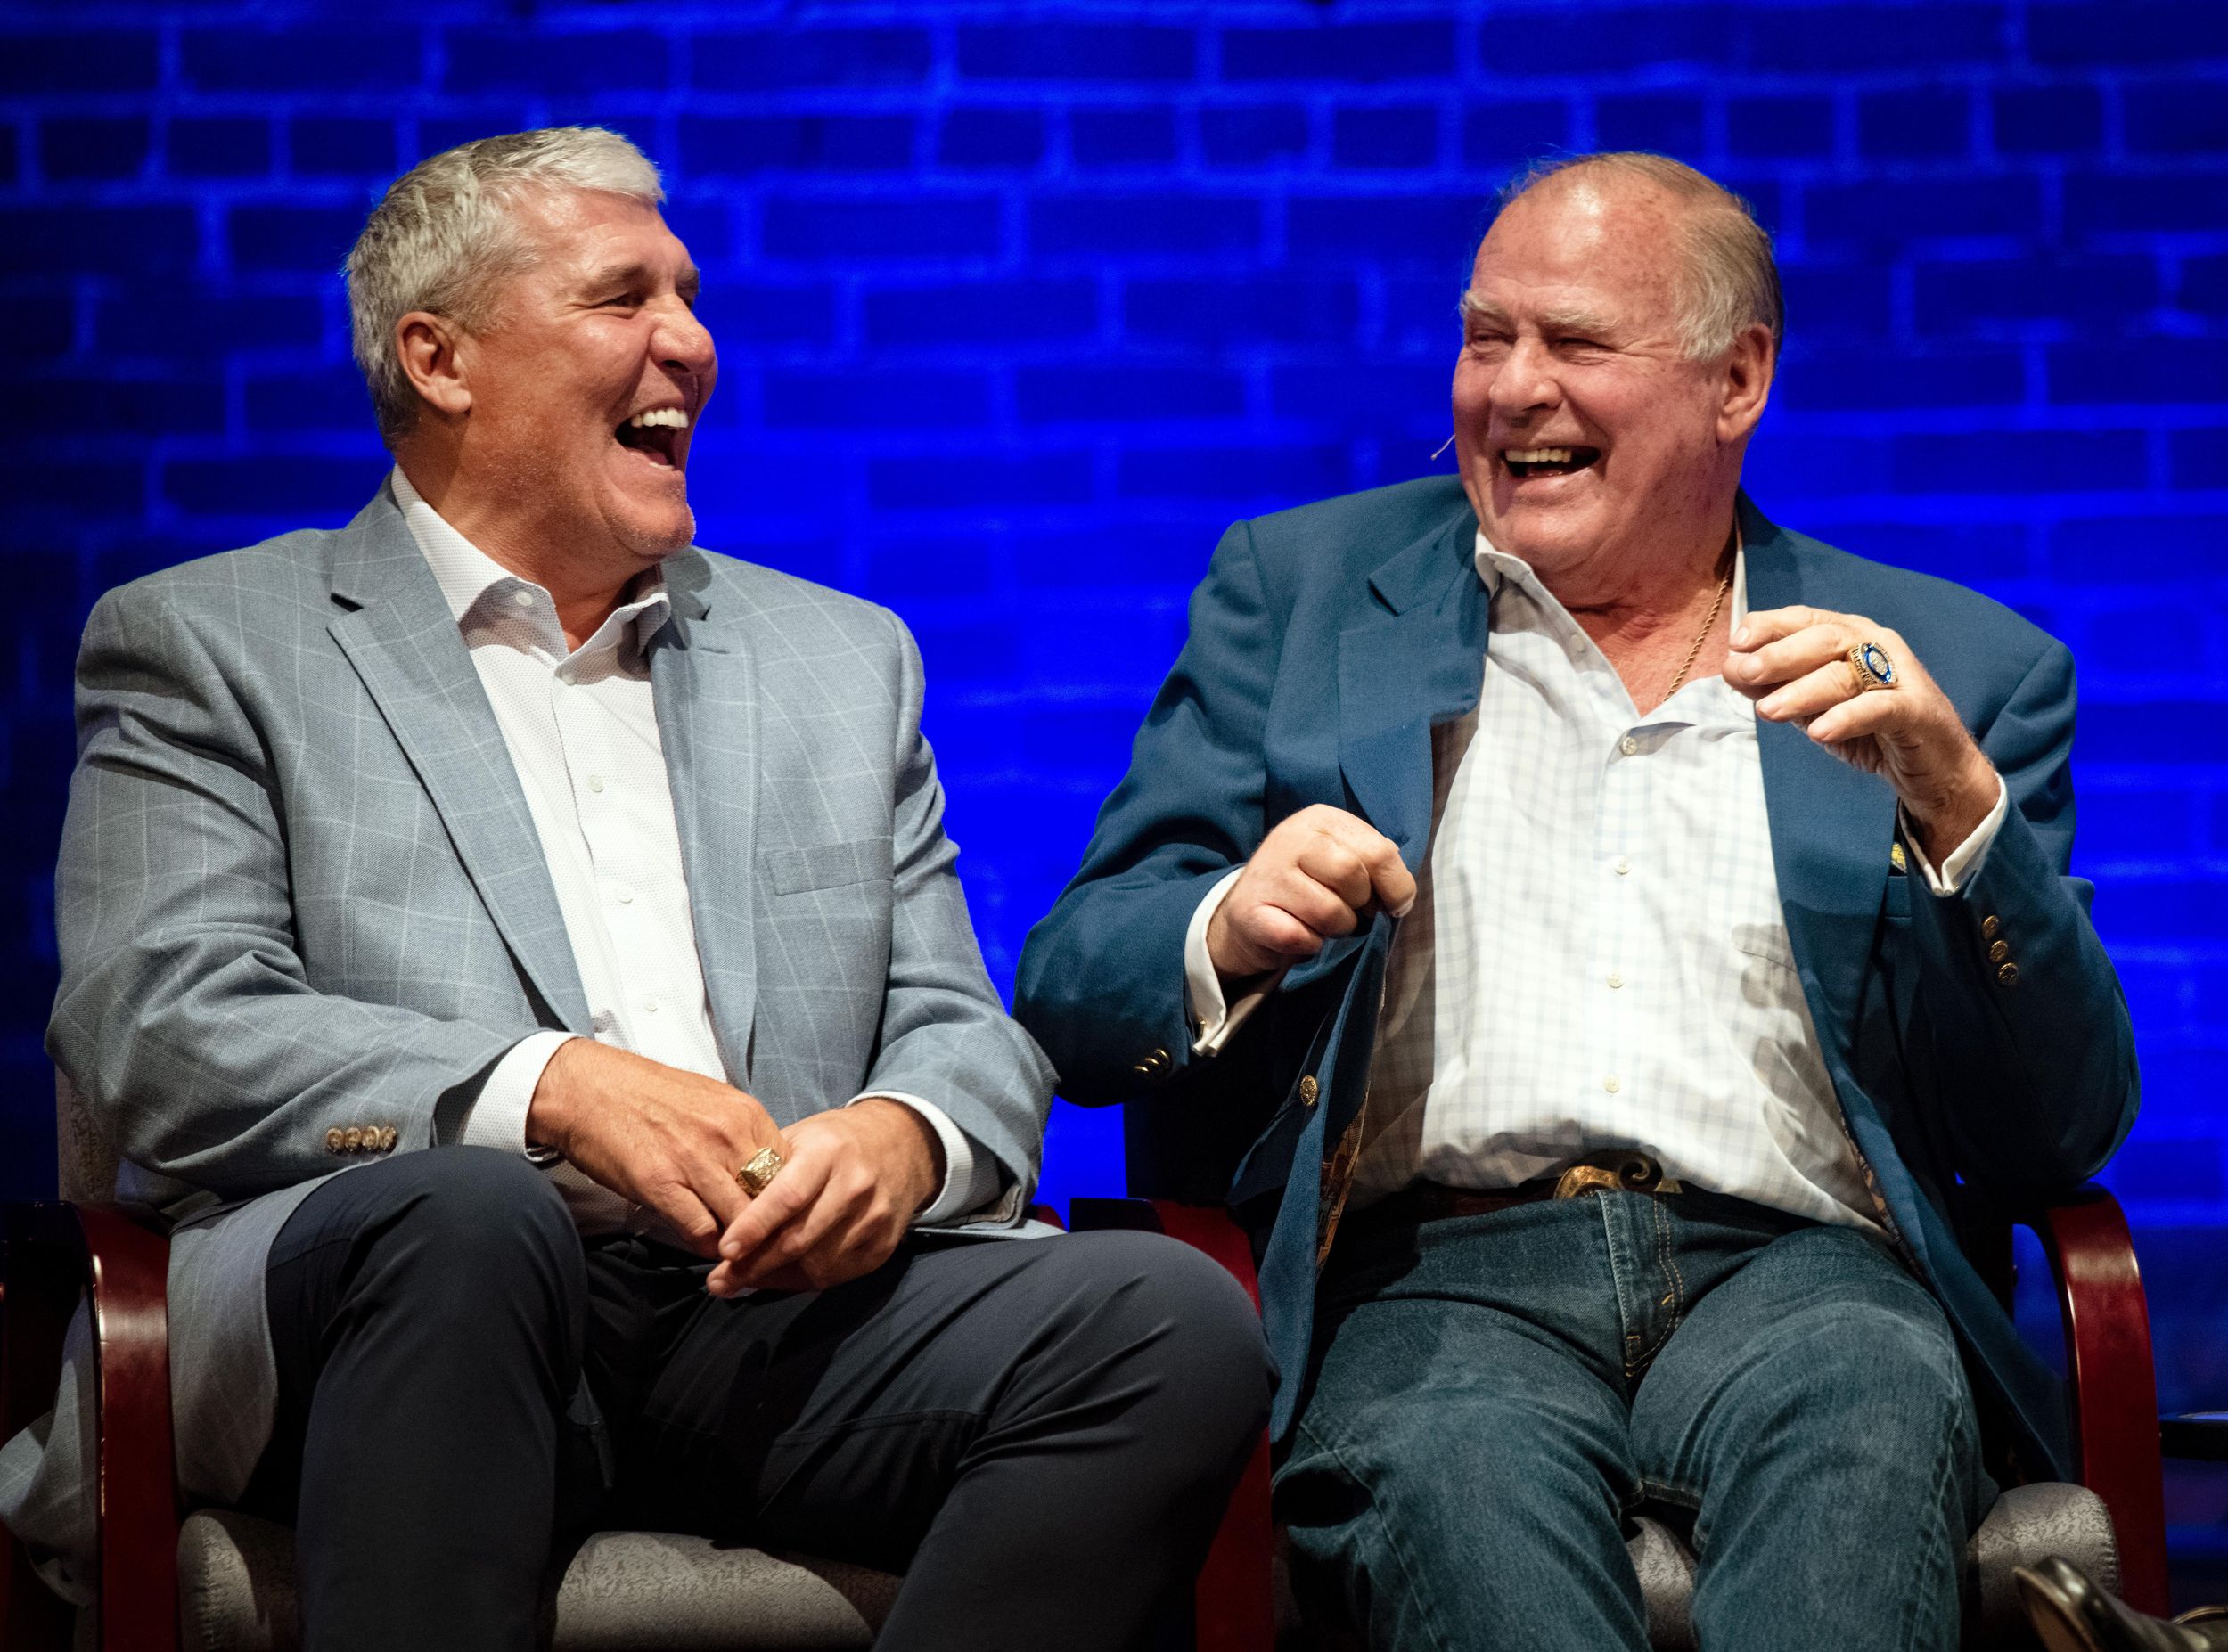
1141,1297
464,1224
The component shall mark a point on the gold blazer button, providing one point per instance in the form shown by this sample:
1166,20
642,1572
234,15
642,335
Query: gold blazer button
1309,1090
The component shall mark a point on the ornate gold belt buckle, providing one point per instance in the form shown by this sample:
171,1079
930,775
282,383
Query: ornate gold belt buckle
1634,1172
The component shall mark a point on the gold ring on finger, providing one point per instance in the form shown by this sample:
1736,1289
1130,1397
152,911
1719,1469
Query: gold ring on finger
758,1174
1873,667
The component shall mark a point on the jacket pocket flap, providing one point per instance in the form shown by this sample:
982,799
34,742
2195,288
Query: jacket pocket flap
829,865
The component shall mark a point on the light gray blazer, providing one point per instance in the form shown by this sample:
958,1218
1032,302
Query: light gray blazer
299,888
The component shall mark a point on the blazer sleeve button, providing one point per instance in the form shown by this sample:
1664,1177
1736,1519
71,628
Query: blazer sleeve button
2009,975
1154,1064
1998,951
336,1139
352,1139
1989,925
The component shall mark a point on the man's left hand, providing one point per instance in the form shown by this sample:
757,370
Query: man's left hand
850,1181
1794,662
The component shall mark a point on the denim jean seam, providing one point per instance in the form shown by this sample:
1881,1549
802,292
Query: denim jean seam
1389,1529
1909,1639
1624,1338
1676,1494
1635,1364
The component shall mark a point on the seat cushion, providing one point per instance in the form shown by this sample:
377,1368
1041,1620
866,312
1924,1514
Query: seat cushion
623,1590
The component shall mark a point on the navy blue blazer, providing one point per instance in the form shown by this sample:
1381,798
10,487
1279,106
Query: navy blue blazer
1325,643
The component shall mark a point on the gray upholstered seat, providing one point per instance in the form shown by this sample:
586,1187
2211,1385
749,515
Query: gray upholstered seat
623,1591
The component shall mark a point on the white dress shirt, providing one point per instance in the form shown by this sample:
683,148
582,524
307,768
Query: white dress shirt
1597,956
582,730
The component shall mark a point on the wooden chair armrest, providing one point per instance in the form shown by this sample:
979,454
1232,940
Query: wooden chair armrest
2115,1393
54,1252
1235,1603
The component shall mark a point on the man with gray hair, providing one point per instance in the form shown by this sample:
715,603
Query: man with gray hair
1586,931
522,953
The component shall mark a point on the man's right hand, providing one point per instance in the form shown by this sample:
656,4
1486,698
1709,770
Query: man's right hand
652,1134
1314,876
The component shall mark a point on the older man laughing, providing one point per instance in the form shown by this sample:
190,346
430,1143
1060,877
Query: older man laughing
523,952
1587,930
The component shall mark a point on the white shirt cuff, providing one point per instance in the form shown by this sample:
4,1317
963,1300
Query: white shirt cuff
497,1117
1215,1019
970,1178
1967,858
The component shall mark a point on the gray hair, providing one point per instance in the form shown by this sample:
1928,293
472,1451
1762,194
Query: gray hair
447,235
1730,283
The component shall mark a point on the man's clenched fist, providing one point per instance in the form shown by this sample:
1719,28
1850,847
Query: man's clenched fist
1314,877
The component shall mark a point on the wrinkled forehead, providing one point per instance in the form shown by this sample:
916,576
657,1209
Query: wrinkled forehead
575,232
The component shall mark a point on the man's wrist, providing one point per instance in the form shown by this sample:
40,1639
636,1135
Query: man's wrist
923,1153
549,1114
1943,823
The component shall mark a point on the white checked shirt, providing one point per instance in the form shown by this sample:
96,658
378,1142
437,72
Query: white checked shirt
1597,956
582,730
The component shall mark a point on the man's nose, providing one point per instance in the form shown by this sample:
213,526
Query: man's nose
683,342
1526,380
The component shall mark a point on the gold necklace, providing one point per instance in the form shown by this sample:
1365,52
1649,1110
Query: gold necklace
1687,664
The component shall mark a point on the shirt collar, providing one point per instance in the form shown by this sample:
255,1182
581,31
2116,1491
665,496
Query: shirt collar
1496,566
467,575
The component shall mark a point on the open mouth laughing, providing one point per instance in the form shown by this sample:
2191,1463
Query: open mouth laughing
1526,462
655,433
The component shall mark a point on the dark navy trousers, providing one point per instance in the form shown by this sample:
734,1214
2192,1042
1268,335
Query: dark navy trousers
1040,1435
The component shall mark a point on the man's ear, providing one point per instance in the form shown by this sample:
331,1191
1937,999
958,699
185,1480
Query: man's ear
427,345
1746,382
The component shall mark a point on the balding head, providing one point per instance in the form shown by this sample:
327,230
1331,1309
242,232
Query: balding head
1727,280
1618,341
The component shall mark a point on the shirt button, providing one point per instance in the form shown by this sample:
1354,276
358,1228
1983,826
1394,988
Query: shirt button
596,782
1623,866
524,599
623,895
1616,980
1612,1083
1628,746
649,1005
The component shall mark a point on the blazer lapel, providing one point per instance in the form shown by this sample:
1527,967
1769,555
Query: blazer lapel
404,644
707,692
1833,825
1416,661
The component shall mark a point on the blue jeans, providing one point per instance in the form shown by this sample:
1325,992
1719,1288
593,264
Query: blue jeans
1491,1396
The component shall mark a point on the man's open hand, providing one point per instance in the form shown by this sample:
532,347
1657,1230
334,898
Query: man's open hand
1313,878
852,1179
1794,662
652,1134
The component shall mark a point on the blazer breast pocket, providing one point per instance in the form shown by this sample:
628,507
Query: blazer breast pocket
829,865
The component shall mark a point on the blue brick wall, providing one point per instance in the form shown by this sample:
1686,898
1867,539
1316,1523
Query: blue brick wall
1021,305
